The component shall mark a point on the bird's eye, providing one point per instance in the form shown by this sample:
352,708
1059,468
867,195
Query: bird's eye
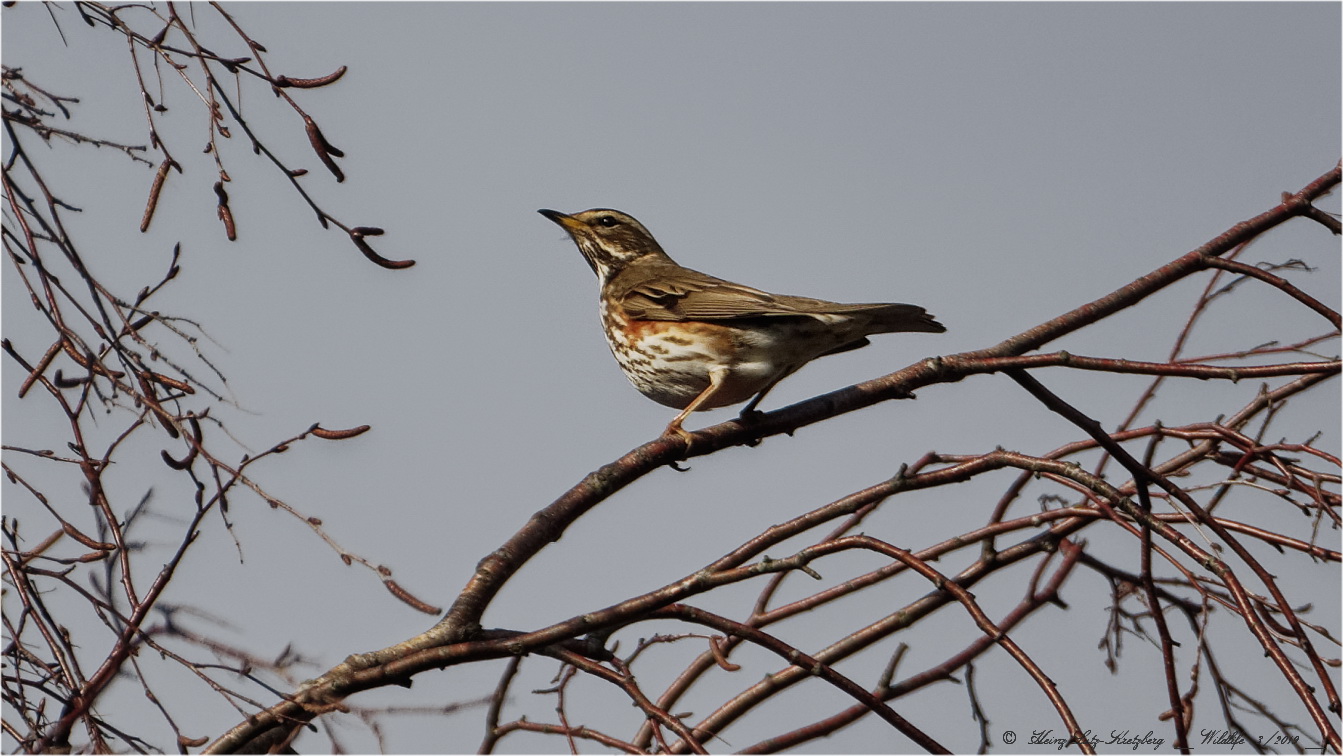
608,220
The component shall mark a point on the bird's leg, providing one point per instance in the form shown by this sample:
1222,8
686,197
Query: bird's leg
748,412
717,376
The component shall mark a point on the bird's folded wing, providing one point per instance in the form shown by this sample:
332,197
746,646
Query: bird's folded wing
690,295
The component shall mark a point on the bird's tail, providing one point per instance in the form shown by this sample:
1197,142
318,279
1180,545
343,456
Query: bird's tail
892,318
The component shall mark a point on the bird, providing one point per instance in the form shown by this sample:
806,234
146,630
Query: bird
691,341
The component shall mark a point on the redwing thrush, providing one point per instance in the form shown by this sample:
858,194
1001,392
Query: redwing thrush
694,342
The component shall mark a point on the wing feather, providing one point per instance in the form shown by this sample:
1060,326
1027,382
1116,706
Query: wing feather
672,293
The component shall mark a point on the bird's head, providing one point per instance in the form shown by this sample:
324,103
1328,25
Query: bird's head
609,239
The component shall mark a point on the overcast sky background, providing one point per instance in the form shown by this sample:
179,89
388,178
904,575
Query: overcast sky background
997,164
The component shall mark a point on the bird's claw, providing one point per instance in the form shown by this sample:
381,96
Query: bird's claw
750,416
675,429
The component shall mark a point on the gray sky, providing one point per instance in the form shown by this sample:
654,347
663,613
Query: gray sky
998,164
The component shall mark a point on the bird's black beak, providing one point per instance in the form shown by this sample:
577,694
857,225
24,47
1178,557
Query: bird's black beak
569,222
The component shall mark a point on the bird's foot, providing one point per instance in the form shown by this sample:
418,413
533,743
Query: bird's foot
749,417
675,429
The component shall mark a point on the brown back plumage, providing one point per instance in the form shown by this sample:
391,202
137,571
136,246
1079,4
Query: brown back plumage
662,290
